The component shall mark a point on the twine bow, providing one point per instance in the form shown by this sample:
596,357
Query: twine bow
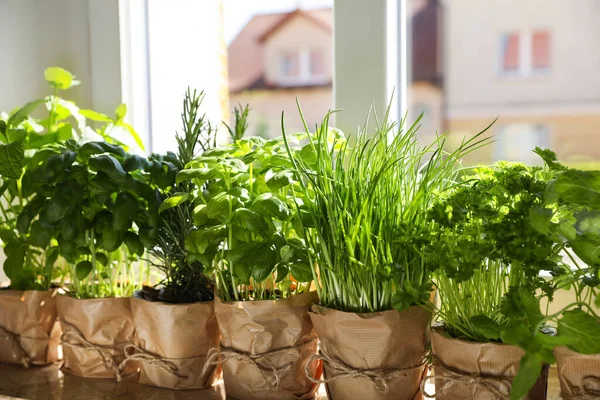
19,352
259,362
584,391
104,351
378,376
134,352
452,377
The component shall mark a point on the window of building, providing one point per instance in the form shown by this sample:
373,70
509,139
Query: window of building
290,64
510,52
525,53
540,46
317,63
516,142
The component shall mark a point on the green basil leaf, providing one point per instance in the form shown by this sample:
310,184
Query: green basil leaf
120,112
112,240
487,327
173,201
133,243
95,116
301,271
110,166
135,162
23,113
279,180
41,234
83,269
125,210
101,258
60,78
262,271
92,148
12,158
272,206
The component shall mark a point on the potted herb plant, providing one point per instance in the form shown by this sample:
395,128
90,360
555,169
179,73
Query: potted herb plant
366,222
570,216
489,259
175,320
32,263
246,233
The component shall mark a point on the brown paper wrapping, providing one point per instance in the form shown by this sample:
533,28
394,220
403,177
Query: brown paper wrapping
579,374
172,341
279,327
493,366
95,333
386,351
28,331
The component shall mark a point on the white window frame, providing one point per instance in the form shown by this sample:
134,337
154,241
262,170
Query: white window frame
370,60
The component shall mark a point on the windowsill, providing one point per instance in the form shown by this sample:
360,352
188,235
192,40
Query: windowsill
517,76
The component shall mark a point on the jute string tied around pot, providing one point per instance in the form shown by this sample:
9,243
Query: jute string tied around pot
102,350
136,353
379,376
584,391
260,362
18,351
452,376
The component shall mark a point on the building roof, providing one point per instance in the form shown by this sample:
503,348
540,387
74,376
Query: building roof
246,53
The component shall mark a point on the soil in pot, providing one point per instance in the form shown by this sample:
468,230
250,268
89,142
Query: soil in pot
171,343
372,355
477,371
28,327
578,374
265,348
95,333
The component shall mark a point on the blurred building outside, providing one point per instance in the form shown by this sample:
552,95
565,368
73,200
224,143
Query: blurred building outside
471,61
278,57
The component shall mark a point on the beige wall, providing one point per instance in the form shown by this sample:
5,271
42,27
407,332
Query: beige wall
574,137
300,34
266,108
426,98
474,84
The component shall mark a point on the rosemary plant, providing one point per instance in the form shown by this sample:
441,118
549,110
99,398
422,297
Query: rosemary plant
367,221
184,279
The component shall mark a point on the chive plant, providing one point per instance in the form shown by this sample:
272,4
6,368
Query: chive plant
367,219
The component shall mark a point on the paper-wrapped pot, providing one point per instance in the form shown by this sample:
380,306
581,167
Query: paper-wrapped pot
477,371
28,330
95,333
578,374
265,346
372,355
171,343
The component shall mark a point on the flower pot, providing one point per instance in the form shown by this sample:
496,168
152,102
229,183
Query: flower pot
265,346
95,333
477,371
377,355
28,330
578,374
171,343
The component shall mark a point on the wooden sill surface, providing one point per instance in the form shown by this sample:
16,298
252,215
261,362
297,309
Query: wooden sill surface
49,383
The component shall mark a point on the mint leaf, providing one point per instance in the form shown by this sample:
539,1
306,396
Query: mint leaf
529,372
583,329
